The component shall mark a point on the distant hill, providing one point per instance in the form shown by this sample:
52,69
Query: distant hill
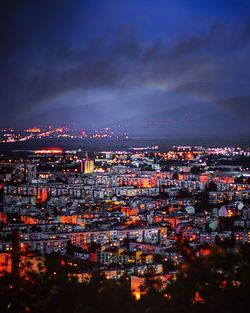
190,109
223,117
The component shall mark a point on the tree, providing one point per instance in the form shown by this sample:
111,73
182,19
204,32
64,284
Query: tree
212,186
70,248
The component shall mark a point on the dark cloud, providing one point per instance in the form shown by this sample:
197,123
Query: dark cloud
28,25
119,62
47,52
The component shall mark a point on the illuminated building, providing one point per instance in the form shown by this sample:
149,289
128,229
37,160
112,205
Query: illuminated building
189,155
86,166
68,219
27,263
5,263
42,195
29,220
81,166
49,151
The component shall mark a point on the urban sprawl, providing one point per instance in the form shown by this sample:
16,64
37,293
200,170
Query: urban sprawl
123,213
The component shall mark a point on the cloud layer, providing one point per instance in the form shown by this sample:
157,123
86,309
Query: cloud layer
55,58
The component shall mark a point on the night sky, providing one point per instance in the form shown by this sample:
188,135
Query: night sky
155,67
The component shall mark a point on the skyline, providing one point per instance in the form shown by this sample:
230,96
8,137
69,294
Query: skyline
170,68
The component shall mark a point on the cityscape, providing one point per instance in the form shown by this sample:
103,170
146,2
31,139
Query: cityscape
124,156
9,135
126,214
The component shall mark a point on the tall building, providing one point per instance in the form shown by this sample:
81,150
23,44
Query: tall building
81,166
41,195
86,166
23,173
18,173
30,173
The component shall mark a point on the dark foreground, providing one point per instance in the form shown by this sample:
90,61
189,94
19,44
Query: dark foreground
218,281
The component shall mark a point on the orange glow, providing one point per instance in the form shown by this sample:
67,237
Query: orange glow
5,263
198,298
33,130
42,196
129,211
49,151
29,220
27,263
137,295
203,178
68,219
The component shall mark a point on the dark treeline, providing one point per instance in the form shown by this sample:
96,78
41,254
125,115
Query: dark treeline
217,281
